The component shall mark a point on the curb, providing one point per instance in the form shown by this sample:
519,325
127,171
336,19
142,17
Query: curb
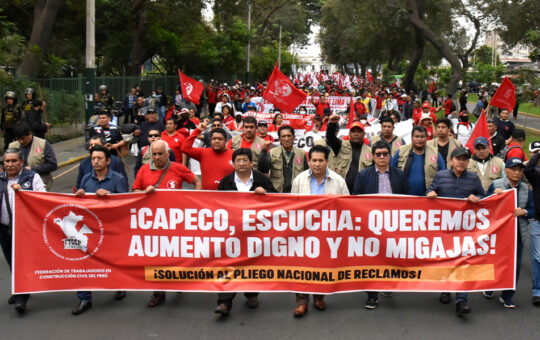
73,160
533,130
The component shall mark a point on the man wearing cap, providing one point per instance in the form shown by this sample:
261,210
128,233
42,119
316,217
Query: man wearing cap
419,161
484,164
504,126
225,101
532,172
443,142
464,127
534,148
426,109
249,140
497,141
262,131
387,134
348,157
524,212
283,163
427,122
151,123
514,148
457,182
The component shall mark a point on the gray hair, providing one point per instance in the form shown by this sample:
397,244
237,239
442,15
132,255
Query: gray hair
16,151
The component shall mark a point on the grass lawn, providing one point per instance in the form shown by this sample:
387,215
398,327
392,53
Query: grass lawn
523,107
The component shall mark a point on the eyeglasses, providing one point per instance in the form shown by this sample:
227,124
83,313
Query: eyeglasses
216,125
153,136
382,154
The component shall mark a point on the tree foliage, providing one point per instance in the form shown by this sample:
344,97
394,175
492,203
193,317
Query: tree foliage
170,33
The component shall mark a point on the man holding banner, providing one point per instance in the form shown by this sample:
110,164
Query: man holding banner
457,182
243,179
15,178
318,180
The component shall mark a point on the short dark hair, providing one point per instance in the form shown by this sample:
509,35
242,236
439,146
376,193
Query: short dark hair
321,149
242,152
104,112
101,148
380,144
156,129
445,121
387,119
37,103
250,120
317,118
420,129
395,114
219,130
171,118
216,120
21,129
218,114
285,127
16,151
100,137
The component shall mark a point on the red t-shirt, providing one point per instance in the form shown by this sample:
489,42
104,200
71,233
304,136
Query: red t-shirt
448,107
175,143
214,165
267,137
320,108
173,179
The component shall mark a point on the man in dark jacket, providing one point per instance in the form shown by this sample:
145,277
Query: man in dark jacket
380,179
35,119
532,172
457,182
243,179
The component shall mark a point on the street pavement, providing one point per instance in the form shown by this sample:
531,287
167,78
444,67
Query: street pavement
190,315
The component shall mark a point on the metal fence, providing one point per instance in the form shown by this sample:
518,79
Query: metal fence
118,86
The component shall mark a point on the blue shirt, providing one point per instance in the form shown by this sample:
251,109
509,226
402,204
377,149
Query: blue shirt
316,188
417,182
86,167
113,182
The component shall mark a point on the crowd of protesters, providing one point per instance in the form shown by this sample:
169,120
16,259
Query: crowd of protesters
236,153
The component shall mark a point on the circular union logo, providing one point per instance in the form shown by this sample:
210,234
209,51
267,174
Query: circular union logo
72,232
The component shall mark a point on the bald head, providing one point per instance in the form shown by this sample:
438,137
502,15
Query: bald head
160,153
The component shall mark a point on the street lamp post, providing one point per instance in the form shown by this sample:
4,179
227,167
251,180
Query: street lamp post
90,58
249,42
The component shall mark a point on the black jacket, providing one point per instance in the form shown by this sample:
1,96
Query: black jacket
367,181
259,180
39,129
532,172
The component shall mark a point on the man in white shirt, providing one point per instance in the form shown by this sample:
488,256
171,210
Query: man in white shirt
318,180
243,179
15,178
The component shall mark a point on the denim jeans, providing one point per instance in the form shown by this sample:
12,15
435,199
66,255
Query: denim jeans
84,296
508,294
535,256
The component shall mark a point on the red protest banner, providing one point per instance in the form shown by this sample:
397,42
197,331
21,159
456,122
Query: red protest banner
231,241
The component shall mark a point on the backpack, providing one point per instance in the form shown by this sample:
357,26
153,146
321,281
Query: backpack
507,149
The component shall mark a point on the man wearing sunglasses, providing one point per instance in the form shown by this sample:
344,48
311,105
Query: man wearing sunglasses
380,179
144,157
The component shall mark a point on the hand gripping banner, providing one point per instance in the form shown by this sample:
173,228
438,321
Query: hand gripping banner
229,241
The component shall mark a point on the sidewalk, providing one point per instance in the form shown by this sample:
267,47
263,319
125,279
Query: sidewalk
70,151
525,121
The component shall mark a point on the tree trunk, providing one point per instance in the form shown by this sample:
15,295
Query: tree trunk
440,45
362,70
356,69
137,54
408,82
45,12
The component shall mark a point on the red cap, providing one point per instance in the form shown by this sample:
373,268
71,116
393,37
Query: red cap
358,125
426,104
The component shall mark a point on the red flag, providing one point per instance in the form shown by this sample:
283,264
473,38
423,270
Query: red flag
480,130
191,89
282,93
352,114
505,97
432,87
369,76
